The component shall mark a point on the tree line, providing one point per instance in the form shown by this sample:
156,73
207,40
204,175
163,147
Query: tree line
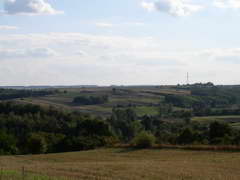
32,129
90,100
211,97
178,130
8,94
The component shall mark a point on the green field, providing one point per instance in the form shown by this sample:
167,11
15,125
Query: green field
142,99
146,110
234,121
125,164
216,118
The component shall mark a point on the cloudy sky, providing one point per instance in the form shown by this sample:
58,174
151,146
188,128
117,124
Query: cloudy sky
104,42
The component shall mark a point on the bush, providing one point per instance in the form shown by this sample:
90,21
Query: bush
144,140
226,140
7,144
218,131
85,143
111,141
187,136
37,144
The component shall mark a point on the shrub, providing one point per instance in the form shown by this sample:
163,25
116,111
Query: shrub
226,140
218,131
111,141
37,144
187,136
144,140
7,144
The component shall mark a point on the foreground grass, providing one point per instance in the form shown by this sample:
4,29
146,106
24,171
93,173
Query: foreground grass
125,164
14,175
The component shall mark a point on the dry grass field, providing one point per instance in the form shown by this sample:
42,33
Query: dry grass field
124,164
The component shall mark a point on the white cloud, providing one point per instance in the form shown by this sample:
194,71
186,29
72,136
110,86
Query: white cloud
172,7
26,53
150,6
226,56
104,25
227,4
84,59
3,27
78,58
111,25
80,53
40,52
29,7
133,24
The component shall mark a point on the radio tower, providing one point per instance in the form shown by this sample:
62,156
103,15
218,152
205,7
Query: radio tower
187,78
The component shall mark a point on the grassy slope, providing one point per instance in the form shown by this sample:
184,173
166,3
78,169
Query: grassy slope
143,98
146,110
129,165
234,121
213,118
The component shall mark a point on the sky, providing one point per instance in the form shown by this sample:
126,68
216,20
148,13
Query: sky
119,42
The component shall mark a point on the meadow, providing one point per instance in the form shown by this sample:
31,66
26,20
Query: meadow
233,120
144,99
124,164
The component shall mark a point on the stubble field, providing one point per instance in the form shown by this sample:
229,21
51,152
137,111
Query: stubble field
124,164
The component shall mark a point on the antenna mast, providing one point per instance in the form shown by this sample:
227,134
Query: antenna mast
187,78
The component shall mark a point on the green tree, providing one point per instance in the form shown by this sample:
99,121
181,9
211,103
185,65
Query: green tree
187,116
37,144
217,132
187,136
144,140
125,124
147,123
7,144
164,110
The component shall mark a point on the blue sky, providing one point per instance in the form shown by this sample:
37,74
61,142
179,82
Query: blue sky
108,42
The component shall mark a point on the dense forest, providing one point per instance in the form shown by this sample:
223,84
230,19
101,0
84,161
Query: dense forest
31,129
